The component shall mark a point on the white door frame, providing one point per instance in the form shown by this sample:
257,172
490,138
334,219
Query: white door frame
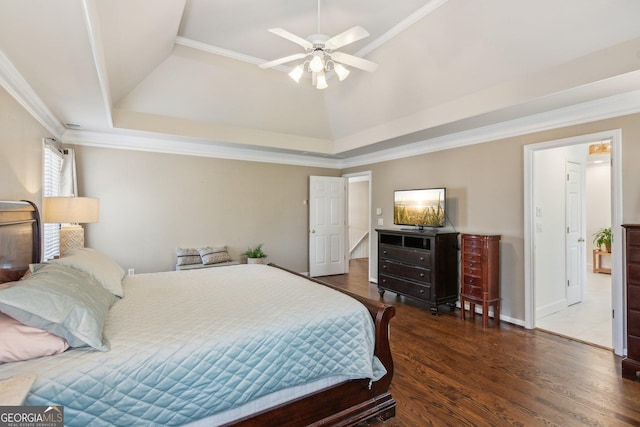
617,289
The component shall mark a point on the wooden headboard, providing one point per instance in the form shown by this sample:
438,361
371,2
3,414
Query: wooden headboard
19,238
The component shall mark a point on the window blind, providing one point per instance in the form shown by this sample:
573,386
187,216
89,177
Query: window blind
51,169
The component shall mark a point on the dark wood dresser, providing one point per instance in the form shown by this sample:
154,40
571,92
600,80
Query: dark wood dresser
631,364
419,264
481,275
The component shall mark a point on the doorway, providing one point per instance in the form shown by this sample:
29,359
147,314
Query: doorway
359,217
571,298
541,270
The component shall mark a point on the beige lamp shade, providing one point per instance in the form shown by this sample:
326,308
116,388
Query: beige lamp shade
71,211
76,210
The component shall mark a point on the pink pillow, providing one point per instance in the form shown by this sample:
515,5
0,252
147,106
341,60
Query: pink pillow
21,342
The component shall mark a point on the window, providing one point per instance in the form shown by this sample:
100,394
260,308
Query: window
51,168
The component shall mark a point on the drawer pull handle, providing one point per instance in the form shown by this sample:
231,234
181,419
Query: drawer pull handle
384,267
421,274
421,258
421,291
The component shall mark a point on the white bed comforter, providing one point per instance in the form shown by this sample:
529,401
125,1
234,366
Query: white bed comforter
188,344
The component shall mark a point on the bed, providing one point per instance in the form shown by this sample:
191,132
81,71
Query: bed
238,345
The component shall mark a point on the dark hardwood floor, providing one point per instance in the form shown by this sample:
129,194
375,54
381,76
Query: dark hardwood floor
450,372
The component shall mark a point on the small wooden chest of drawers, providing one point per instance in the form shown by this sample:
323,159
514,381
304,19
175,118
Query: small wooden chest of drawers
631,364
481,275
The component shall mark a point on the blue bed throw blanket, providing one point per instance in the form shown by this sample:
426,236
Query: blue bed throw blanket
189,344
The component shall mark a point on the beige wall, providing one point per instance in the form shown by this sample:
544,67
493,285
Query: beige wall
151,203
20,152
485,191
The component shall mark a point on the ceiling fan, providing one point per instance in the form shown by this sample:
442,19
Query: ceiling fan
321,54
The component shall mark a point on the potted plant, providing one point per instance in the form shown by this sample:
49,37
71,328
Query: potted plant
603,238
255,255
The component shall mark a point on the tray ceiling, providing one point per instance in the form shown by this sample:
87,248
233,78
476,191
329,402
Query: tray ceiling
185,72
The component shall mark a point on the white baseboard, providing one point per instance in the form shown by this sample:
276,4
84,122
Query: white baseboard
551,308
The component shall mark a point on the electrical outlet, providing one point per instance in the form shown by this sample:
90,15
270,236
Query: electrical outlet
131,271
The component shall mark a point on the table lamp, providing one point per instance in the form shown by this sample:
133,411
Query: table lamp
70,212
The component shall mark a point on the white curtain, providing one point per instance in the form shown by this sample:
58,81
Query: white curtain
68,178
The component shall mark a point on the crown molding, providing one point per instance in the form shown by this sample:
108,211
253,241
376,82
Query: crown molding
600,109
13,82
606,108
146,141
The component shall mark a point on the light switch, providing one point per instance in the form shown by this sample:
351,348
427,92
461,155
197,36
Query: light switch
380,221
378,211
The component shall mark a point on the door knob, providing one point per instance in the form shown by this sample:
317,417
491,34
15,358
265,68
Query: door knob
580,240
313,231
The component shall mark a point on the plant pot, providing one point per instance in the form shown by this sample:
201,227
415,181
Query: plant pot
255,260
607,247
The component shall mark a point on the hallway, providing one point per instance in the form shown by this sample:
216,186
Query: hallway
588,321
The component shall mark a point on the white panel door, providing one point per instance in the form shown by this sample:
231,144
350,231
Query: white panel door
575,246
327,225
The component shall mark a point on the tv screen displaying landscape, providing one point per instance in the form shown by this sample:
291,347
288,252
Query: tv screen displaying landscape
422,208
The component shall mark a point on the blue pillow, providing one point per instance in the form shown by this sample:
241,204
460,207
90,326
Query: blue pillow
63,301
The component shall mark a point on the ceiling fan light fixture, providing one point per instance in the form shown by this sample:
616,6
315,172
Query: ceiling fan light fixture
321,81
341,71
321,52
317,64
296,73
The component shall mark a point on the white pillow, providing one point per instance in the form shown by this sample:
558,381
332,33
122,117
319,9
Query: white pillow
97,265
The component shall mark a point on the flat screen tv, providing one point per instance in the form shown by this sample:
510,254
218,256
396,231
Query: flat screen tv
419,208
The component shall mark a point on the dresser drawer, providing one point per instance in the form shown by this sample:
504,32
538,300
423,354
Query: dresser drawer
407,271
469,279
633,237
472,291
470,242
633,297
404,287
633,254
633,273
472,270
633,322
471,249
406,255
633,347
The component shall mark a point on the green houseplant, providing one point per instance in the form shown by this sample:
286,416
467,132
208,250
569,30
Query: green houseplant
255,255
603,238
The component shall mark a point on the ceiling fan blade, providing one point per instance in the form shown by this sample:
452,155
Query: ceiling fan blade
352,35
292,37
282,60
354,61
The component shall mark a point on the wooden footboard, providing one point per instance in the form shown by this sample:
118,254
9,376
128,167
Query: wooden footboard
345,404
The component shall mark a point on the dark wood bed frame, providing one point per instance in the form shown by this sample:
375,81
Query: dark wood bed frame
345,404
